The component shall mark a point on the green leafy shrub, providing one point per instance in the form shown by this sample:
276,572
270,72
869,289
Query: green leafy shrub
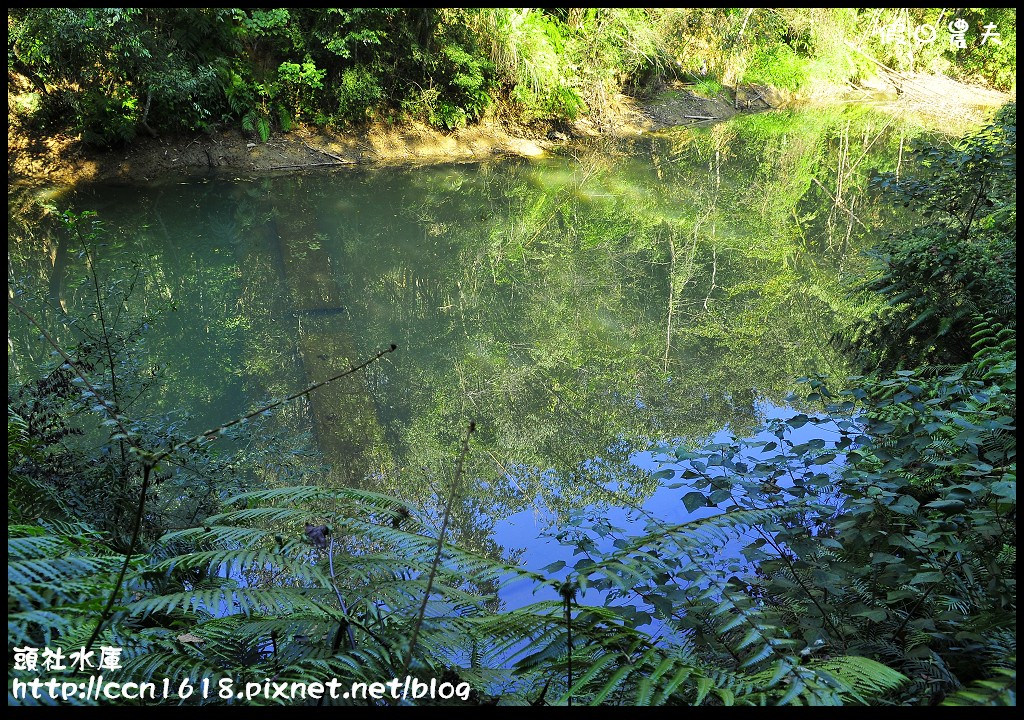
893,542
994,62
465,93
533,61
958,262
779,66
258,105
359,93
564,102
300,84
125,68
108,119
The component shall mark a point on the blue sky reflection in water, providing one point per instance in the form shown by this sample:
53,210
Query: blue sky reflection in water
626,514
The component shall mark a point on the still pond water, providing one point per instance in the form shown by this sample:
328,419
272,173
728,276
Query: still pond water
583,309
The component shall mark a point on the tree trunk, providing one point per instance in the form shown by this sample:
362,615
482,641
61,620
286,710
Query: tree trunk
145,114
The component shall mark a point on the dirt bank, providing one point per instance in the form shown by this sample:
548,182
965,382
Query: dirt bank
64,160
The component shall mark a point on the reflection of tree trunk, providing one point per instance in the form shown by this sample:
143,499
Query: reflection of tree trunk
714,207
899,159
714,271
674,290
60,260
849,227
344,415
671,299
173,253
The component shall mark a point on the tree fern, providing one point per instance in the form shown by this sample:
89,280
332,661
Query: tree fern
999,689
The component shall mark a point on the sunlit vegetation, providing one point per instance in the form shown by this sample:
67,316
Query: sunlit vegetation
113,73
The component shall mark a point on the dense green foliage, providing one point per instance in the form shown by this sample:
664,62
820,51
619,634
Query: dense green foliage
958,262
875,567
113,72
